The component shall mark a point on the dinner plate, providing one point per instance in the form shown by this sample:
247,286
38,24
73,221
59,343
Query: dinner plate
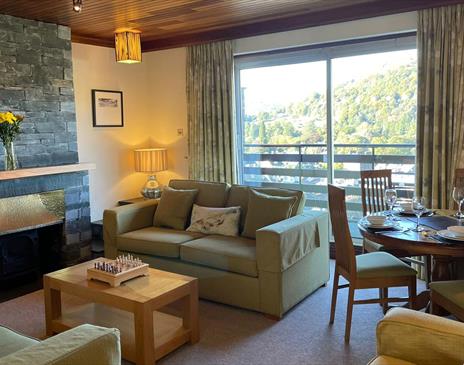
450,235
387,224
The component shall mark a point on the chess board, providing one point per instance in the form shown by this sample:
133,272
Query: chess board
115,272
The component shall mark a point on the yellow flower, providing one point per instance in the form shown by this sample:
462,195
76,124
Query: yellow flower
9,117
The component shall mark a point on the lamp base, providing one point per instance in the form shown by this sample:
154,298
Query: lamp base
151,189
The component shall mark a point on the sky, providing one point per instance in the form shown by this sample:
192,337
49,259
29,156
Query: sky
281,85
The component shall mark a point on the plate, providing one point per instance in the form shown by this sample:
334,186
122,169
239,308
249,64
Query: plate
450,235
387,224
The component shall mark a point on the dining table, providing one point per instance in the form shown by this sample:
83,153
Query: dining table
402,237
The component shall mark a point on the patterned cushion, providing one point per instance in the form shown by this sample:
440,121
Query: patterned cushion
223,221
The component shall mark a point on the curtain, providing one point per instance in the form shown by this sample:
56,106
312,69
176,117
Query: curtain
210,112
440,130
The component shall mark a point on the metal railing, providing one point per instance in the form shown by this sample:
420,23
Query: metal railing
305,167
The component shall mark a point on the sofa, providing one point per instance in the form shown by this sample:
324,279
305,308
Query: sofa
85,344
408,337
287,261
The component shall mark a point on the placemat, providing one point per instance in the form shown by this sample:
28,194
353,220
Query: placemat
437,222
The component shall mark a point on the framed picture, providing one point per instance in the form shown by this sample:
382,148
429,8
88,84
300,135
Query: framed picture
107,108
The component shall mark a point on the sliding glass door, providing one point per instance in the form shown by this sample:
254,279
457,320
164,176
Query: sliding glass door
319,115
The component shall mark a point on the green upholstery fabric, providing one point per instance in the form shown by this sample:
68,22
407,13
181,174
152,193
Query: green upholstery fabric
84,344
388,360
11,341
381,264
155,241
174,208
235,254
210,194
282,244
239,194
264,210
451,290
420,338
125,219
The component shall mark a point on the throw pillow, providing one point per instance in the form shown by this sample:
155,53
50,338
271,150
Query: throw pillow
174,208
264,210
223,221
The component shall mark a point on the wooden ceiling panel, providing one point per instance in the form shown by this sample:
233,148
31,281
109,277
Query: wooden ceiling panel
172,23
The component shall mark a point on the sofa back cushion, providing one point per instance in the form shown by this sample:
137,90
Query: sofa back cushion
264,210
174,208
238,196
210,194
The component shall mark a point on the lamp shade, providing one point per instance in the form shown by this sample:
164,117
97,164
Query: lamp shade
127,47
150,159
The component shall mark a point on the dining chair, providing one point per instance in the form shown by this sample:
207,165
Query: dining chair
367,271
448,295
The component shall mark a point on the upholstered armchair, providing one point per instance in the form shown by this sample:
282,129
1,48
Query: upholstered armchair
407,337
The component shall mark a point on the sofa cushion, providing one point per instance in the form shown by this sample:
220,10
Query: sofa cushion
174,208
155,241
238,196
10,341
235,254
264,210
210,194
388,360
208,220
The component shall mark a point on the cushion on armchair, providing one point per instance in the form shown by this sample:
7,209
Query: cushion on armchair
174,208
264,210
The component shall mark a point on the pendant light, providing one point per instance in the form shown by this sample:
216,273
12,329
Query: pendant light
127,47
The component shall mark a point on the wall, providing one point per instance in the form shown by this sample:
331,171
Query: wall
155,103
154,107
36,81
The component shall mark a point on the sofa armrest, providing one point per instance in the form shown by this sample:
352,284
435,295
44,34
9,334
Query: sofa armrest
280,245
125,219
420,338
85,344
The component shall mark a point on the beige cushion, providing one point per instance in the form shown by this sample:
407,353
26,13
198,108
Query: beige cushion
387,360
155,241
210,194
264,210
238,196
381,265
174,208
451,290
236,254
223,221
11,341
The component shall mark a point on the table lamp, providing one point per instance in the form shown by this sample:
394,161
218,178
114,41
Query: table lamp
150,160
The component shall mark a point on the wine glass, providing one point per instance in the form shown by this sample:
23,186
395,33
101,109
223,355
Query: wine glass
390,199
418,207
458,197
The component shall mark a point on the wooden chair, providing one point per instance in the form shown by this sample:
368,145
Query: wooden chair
448,295
458,181
372,270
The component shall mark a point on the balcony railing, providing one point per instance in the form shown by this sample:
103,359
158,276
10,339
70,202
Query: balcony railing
304,167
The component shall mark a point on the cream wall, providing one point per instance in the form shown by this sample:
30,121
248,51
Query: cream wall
155,104
154,108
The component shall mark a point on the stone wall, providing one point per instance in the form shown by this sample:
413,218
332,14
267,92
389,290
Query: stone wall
36,81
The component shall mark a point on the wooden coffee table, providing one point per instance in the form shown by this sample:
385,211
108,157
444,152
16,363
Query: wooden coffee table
146,333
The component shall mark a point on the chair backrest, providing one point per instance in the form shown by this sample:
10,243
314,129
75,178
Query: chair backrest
459,178
373,186
344,249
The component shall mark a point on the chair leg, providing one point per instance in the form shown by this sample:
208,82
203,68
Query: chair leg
334,297
412,292
380,295
385,297
349,313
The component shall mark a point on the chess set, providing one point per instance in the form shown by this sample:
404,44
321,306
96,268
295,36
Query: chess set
115,272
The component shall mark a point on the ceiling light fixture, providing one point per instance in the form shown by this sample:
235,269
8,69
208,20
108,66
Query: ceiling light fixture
127,47
77,6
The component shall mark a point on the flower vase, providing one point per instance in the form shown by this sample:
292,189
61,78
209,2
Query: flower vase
10,159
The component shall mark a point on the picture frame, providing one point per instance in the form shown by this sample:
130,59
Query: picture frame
107,108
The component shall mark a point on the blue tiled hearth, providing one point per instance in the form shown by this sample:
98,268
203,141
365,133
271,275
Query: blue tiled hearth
77,229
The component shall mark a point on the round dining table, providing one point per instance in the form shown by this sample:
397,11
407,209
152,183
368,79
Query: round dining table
426,243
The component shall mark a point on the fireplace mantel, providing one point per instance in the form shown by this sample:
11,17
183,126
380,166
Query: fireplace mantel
43,171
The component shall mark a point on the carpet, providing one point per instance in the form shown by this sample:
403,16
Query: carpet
234,336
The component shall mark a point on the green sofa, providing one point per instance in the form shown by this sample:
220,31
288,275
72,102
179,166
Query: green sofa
287,261
85,344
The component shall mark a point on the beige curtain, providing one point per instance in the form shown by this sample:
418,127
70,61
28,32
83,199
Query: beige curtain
210,112
440,130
